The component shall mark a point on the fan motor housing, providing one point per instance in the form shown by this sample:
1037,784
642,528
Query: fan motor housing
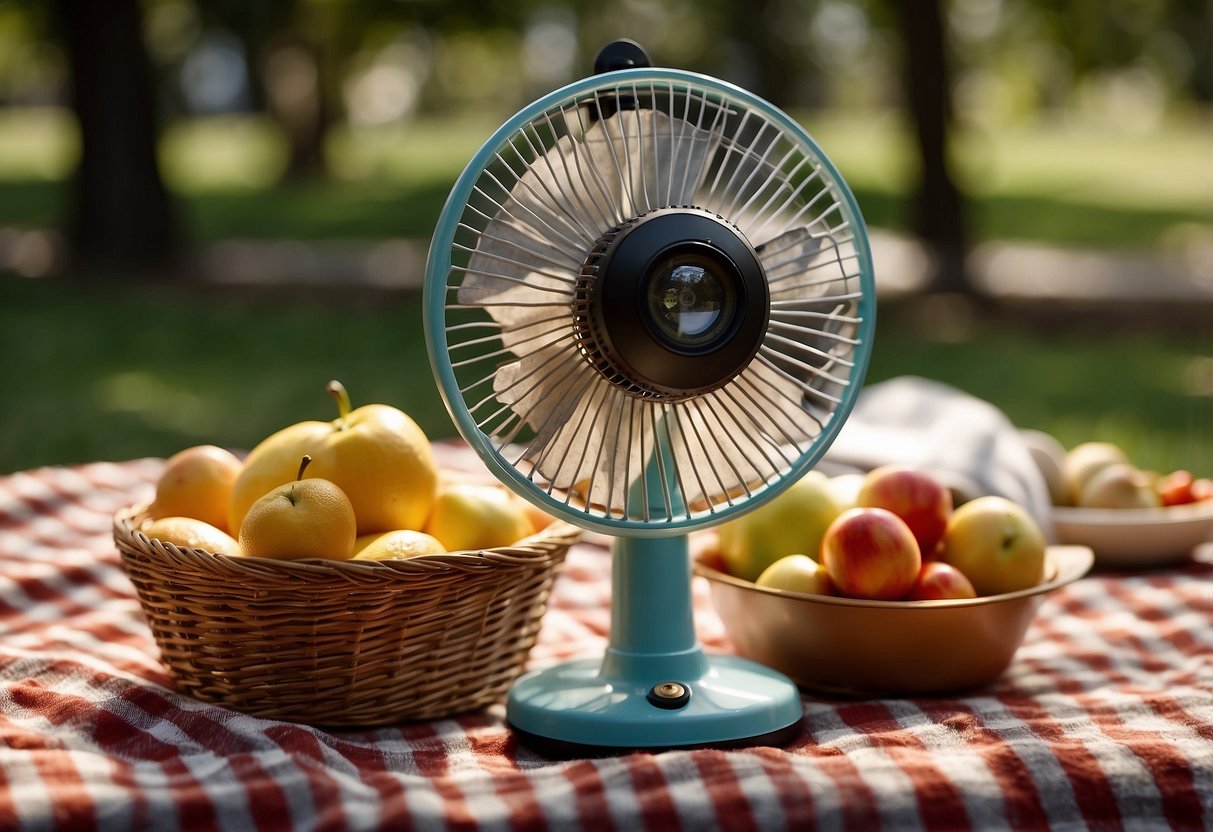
671,304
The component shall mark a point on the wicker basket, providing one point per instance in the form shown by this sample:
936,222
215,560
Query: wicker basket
343,643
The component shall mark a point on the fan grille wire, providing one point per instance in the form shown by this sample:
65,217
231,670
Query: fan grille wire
550,192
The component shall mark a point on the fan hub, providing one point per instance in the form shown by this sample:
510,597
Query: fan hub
671,304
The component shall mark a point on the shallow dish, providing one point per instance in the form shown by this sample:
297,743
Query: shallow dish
866,648
1137,537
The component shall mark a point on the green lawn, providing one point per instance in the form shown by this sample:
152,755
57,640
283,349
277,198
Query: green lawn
120,371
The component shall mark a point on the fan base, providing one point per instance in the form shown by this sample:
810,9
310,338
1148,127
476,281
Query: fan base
554,749
578,709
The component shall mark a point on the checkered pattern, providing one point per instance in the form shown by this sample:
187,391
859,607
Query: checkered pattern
1104,720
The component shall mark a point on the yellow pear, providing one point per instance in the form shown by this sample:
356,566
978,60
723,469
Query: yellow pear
270,464
376,454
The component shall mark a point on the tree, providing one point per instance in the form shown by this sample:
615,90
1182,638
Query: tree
121,214
938,206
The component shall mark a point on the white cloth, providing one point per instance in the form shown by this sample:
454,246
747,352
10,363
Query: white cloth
966,441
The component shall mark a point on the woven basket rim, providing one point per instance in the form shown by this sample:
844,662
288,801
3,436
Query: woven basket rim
559,534
368,642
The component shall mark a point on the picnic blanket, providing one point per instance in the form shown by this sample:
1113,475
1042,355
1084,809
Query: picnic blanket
1104,720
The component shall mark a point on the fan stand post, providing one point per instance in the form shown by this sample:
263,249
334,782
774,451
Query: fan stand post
655,687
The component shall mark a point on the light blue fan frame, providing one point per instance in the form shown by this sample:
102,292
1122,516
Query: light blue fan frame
603,703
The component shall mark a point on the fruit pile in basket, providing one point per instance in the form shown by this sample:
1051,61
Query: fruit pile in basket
364,486
1101,475
890,535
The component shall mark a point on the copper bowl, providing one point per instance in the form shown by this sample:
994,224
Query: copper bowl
865,648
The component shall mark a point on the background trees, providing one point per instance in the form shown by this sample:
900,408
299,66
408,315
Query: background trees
309,67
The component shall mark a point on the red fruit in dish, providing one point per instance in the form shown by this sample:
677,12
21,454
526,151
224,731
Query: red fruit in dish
920,499
1175,488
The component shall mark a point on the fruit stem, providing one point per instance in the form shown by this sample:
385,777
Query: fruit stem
303,463
337,390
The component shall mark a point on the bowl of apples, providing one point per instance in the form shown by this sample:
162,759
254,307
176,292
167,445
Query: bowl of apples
845,602
1130,517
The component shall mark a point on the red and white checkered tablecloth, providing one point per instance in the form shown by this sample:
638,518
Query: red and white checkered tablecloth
1104,720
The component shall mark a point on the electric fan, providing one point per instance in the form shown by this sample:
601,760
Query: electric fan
649,305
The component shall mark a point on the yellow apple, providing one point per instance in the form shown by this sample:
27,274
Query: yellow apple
393,545
1119,485
307,518
797,573
996,544
191,533
376,454
197,482
1085,460
793,523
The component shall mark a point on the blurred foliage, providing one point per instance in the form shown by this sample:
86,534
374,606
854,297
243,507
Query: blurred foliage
1072,187
1101,106
1129,62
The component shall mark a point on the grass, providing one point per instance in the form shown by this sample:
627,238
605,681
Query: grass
119,371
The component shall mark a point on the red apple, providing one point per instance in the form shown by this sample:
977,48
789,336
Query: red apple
916,496
1175,488
938,580
871,553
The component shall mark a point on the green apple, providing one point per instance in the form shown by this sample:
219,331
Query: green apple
793,523
845,488
797,573
996,544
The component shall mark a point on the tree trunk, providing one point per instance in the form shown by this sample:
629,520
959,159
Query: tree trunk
294,87
781,75
121,216
938,208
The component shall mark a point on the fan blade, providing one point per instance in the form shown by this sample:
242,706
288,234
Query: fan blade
649,160
735,439
588,436
530,251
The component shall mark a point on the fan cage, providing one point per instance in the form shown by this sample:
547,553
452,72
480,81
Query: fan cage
501,284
